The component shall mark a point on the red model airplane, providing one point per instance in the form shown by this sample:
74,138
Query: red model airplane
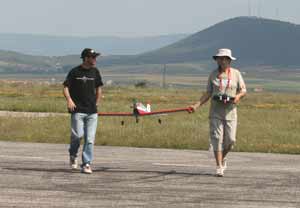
140,110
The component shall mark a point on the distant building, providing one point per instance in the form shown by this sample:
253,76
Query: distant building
109,82
258,89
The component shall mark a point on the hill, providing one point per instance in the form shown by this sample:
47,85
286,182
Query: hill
64,45
255,41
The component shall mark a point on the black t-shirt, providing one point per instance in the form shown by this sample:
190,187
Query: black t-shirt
82,84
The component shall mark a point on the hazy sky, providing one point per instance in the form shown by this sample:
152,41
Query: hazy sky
132,17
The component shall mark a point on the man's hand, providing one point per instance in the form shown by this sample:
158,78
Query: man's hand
98,96
71,105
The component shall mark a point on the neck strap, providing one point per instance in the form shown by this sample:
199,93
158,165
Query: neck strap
228,71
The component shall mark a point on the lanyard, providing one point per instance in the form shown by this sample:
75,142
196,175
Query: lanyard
228,79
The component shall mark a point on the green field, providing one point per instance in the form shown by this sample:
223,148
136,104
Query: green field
268,122
179,75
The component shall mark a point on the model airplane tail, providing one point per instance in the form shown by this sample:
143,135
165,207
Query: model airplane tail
143,109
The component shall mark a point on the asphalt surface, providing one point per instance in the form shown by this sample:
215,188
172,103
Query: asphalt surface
38,175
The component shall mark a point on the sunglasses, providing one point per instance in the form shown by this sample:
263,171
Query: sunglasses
93,57
222,58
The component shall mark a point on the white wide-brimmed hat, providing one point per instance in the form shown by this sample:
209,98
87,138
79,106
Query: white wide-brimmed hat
224,52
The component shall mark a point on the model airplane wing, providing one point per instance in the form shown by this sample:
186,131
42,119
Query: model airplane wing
139,110
167,111
115,114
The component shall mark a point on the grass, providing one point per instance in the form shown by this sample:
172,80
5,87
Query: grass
268,122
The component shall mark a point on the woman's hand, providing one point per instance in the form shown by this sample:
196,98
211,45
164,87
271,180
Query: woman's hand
236,100
238,97
194,107
205,97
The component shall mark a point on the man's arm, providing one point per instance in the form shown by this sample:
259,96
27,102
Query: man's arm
70,104
98,95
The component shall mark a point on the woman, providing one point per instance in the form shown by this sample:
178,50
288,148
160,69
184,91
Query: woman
226,87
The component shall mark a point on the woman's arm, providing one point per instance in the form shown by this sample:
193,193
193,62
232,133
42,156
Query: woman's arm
204,98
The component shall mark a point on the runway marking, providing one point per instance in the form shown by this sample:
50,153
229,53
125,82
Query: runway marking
21,157
177,165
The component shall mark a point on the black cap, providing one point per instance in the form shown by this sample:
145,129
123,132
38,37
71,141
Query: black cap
87,52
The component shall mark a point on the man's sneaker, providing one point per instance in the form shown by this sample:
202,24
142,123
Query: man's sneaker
73,162
219,171
86,169
224,163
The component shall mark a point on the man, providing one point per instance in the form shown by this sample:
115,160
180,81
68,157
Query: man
226,87
82,90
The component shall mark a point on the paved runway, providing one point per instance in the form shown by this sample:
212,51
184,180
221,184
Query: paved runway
38,175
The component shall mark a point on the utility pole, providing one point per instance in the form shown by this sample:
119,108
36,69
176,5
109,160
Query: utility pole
164,72
249,8
260,9
277,13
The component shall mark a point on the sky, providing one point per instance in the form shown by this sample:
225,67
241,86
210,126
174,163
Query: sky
132,18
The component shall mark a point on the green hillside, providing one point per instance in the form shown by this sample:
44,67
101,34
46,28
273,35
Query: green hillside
254,41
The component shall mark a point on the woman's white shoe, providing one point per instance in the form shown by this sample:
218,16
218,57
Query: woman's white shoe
219,171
